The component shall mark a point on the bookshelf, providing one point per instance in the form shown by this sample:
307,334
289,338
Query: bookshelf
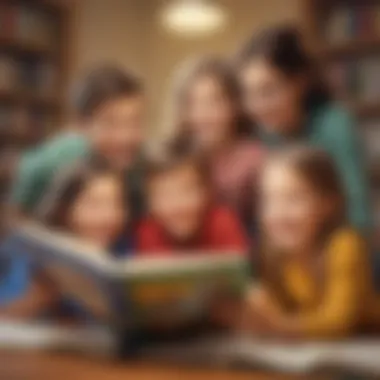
353,47
345,35
33,67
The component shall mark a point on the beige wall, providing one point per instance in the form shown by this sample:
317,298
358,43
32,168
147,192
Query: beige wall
110,31
127,32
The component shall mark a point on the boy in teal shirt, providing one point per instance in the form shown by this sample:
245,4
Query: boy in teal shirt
109,106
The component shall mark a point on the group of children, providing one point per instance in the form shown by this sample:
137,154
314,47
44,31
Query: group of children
258,159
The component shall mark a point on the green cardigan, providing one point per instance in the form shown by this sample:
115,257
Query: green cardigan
333,129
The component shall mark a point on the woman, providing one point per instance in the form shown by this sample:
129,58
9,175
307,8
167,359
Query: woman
285,96
208,118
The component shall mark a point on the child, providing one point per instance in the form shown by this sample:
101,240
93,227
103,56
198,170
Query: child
109,105
89,202
183,215
208,117
316,275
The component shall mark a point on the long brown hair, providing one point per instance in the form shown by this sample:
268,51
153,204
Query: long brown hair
317,168
213,67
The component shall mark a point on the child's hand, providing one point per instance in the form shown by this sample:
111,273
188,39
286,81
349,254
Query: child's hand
263,317
38,299
226,312
259,312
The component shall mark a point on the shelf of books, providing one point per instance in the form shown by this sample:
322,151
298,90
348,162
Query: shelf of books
346,35
33,37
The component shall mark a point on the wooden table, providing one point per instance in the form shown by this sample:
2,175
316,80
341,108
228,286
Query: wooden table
37,366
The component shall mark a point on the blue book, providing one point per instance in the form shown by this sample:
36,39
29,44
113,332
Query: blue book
134,292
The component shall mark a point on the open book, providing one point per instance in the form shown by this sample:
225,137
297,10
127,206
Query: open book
87,340
351,356
135,291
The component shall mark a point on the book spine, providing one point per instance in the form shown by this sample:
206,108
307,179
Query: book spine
377,20
367,22
337,29
7,73
9,21
352,78
124,323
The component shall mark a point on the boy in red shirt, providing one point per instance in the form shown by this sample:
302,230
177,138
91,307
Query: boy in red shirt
183,215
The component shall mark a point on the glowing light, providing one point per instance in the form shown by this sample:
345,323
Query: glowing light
193,17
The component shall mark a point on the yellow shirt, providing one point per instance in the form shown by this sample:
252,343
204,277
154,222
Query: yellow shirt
339,299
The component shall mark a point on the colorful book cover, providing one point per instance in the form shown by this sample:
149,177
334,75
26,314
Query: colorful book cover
135,291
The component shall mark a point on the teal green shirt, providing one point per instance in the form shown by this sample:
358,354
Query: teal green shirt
38,166
333,129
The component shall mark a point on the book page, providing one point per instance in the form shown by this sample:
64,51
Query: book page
89,291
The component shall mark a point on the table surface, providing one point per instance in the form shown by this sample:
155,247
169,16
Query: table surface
37,366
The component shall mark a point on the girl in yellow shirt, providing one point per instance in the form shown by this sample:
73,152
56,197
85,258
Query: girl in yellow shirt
316,277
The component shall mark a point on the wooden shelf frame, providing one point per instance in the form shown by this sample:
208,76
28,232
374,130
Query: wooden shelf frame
354,48
29,98
58,55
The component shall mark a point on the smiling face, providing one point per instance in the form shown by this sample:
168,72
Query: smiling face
178,199
98,214
292,211
116,130
208,112
272,99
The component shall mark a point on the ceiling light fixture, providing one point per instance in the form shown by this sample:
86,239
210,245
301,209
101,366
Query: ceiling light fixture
193,18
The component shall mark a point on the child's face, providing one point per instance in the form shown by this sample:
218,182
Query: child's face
291,211
98,215
178,200
209,113
270,98
116,130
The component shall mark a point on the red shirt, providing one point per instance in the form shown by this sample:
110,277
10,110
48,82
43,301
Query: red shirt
221,231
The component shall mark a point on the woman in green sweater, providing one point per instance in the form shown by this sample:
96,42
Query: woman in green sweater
286,98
